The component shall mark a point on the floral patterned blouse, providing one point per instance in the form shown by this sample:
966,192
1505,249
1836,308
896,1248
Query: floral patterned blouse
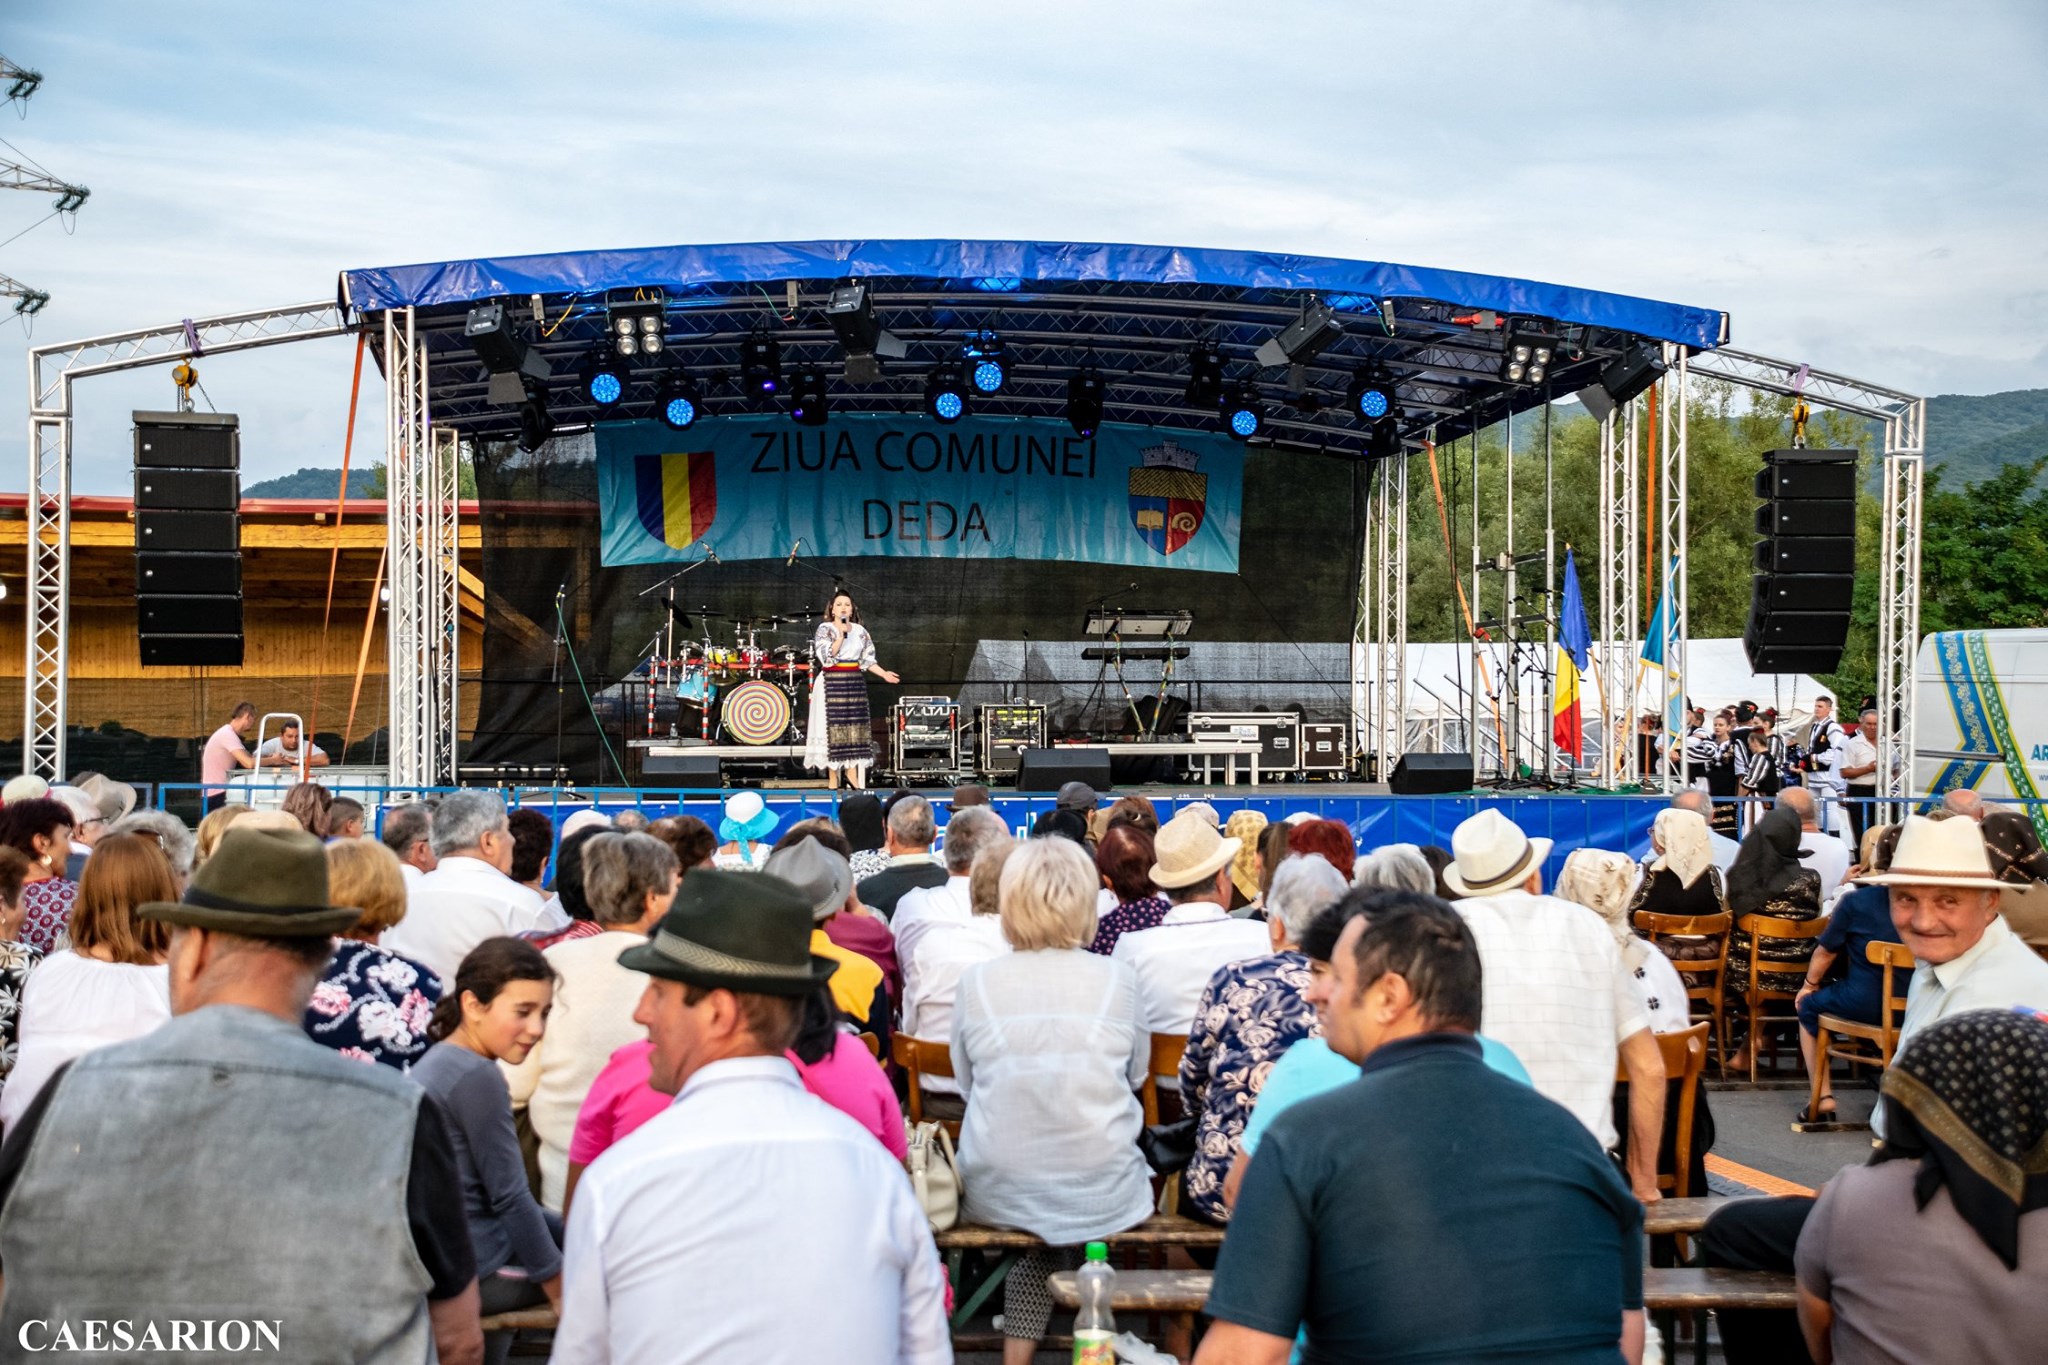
17,960
46,913
1128,918
1251,1012
373,1005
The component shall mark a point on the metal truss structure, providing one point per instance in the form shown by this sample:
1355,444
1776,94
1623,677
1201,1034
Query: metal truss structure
1674,554
1904,418
52,370
1379,647
1617,571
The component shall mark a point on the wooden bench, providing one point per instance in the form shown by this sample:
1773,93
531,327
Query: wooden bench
1671,1217
1160,1230
1176,1295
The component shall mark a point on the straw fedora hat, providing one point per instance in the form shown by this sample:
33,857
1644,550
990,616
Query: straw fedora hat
1939,853
1490,853
1189,851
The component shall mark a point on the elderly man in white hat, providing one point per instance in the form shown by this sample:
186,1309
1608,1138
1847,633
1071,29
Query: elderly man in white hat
1174,961
1556,990
1945,900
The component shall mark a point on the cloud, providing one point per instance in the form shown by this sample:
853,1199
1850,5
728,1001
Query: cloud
1840,196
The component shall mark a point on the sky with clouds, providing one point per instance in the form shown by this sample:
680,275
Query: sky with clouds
1857,184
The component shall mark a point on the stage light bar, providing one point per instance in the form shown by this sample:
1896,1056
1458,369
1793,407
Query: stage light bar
1372,395
1243,413
1303,339
1205,377
761,366
809,404
1084,402
982,355
603,380
1526,354
945,397
679,403
535,425
636,326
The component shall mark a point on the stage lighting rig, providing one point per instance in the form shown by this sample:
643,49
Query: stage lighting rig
1526,353
981,354
945,397
809,404
851,311
603,380
679,404
636,325
1371,398
494,337
1205,377
761,366
1084,402
535,425
1386,442
1243,413
1303,339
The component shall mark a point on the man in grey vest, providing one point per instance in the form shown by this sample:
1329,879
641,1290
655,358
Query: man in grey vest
225,1184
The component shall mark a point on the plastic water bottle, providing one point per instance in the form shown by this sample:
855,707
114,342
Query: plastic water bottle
1095,1324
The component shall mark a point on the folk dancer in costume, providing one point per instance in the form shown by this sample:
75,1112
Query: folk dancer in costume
1827,743
839,700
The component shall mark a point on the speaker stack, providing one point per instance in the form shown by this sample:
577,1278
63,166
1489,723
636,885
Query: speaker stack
188,538
1805,582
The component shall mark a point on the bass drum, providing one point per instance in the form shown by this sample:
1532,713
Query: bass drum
755,712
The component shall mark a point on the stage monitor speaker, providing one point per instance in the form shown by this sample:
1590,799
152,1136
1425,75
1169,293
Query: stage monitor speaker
1805,585
192,651
1047,770
189,490
188,440
690,767
1431,774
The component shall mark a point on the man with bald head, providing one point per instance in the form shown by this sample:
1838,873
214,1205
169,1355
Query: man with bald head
1822,852
1966,803
1698,803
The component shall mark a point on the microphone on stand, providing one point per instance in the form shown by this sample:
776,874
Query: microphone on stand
711,554
792,552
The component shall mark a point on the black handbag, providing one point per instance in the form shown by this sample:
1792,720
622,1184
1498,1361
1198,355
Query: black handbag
1168,1147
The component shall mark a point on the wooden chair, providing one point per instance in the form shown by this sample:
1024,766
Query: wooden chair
920,1058
1166,1053
1713,994
1864,1044
1685,1060
874,1046
1771,981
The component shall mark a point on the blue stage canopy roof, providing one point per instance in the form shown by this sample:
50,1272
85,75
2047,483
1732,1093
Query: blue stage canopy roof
1135,315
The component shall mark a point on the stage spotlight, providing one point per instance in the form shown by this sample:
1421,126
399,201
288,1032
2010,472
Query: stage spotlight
761,366
1084,402
982,353
491,333
1205,377
945,397
604,381
809,404
1632,373
1372,396
679,404
636,325
1526,353
1303,339
1243,413
535,425
851,311
1386,441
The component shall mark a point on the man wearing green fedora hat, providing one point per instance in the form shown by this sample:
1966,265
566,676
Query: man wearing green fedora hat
227,1168
674,1229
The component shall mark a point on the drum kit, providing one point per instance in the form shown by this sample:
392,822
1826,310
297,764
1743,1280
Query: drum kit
750,692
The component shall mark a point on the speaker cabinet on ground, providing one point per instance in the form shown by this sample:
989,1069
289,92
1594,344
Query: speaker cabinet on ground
1805,584
188,539
685,767
1047,770
1431,774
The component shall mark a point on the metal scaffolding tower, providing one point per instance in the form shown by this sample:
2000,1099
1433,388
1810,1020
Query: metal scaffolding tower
1379,648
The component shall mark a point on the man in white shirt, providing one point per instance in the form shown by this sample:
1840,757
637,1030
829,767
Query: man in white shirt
1826,743
408,832
1174,961
1557,992
1824,853
944,950
1945,902
281,750
967,834
1724,848
468,897
1858,771
750,1220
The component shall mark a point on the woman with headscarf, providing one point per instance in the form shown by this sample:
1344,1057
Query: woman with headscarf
1768,879
1860,918
1247,893
2022,864
1681,879
1936,1250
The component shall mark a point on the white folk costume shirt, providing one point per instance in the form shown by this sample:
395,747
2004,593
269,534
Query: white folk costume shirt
750,1221
1556,993
857,648
1175,960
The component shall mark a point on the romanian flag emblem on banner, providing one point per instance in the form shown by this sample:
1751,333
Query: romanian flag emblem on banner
1574,645
676,496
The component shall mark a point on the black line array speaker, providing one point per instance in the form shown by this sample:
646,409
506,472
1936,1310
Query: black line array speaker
1047,770
1431,774
1805,580
188,539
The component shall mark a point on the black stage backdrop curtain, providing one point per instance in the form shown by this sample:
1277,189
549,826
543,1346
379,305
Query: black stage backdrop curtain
1297,584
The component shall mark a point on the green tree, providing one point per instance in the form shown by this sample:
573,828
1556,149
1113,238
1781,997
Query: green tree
465,480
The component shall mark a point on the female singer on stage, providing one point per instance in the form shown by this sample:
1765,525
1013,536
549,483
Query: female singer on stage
844,650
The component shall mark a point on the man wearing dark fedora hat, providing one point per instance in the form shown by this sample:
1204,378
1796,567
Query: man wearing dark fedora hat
673,1226
228,1168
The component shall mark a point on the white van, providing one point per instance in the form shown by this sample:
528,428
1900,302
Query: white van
1980,700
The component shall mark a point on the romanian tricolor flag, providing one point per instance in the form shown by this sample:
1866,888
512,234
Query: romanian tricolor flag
1574,645
676,496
